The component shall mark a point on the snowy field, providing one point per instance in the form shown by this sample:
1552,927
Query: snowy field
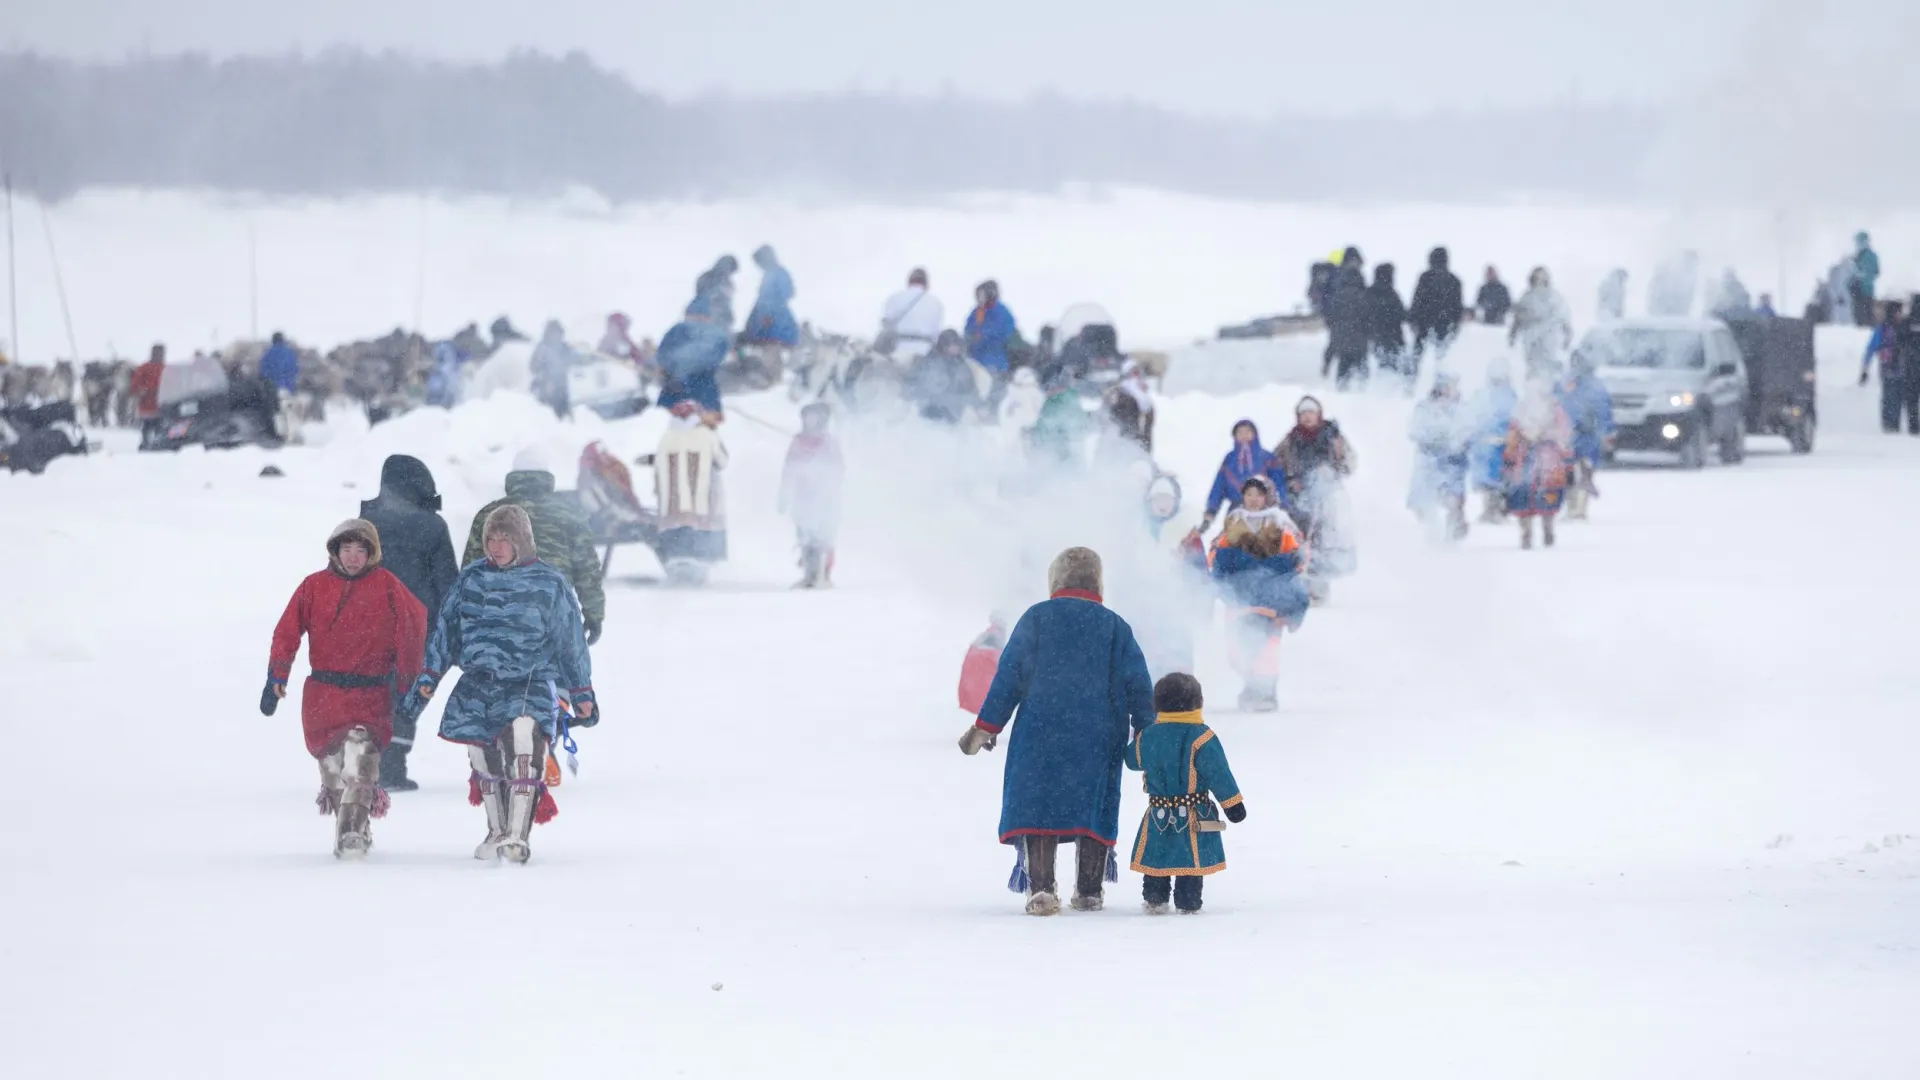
1638,806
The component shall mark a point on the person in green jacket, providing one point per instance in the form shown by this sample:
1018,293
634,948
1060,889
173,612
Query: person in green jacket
1060,433
560,534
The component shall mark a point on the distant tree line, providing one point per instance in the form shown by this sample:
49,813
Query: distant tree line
347,122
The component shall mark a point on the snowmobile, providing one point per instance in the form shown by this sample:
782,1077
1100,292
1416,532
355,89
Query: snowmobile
609,386
32,436
1780,377
201,406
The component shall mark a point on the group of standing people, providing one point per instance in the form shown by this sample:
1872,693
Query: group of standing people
1894,350
1367,324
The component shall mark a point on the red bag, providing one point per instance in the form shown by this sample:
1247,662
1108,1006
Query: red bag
976,671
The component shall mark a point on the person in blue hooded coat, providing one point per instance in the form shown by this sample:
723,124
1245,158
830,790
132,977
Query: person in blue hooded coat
280,364
1074,678
771,321
1442,438
513,627
990,329
1248,459
689,357
1490,416
1590,409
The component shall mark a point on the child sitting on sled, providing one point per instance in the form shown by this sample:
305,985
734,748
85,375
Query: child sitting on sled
1185,770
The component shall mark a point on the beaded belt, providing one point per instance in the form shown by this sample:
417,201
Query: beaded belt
1197,798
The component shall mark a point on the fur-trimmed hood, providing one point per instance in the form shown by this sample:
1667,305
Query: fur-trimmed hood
1076,568
354,529
511,522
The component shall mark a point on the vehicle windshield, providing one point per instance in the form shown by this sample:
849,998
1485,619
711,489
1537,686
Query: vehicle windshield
1625,347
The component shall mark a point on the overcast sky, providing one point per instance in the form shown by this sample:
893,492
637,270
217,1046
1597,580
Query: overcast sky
1241,57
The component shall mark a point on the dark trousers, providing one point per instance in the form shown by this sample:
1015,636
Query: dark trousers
1090,865
1863,305
1185,890
1350,368
1897,396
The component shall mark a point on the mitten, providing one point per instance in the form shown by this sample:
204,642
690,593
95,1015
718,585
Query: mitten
269,700
593,631
1237,813
977,738
593,714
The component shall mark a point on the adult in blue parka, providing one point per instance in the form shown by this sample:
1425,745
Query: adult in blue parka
1589,407
990,328
771,321
1490,414
689,356
280,364
1078,682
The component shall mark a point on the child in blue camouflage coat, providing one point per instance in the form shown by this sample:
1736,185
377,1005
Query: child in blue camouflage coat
1185,770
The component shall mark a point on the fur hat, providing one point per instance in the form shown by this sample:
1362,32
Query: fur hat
531,459
1075,568
512,523
1178,692
355,529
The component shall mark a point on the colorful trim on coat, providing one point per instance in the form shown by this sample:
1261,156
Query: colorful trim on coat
1077,594
1008,837
1228,804
1190,717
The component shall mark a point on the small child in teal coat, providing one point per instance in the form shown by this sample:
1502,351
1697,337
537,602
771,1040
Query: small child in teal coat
1185,770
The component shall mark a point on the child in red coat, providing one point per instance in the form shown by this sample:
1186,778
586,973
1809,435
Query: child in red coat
365,635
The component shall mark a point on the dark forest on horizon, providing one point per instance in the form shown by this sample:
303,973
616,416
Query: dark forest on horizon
345,123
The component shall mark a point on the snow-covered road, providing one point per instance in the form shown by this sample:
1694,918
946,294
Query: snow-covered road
1635,806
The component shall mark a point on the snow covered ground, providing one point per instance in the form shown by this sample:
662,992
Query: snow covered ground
1640,805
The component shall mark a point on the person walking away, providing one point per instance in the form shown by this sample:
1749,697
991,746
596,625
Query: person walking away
1536,459
365,633
416,548
810,493
989,330
1589,409
280,366
514,629
552,360
1435,313
1884,346
687,485
1245,460
1347,322
1542,326
910,321
1907,352
1315,458
1386,324
1257,561
1189,786
1493,301
941,381
1442,437
560,529
713,291
1613,295
1074,683
1864,279
689,359
1730,298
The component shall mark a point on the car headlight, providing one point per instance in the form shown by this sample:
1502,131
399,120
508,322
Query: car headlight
1681,401
1670,431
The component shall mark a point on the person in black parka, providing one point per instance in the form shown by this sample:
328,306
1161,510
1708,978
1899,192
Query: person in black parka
1386,321
1436,310
1347,321
415,547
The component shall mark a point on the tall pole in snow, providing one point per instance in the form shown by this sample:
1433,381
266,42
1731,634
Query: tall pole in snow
13,300
253,284
59,283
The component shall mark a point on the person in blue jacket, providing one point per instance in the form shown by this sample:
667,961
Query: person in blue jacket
512,625
771,321
1865,278
689,357
1590,409
1442,439
1184,770
990,327
1074,678
1257,562
1490,415
1246,460
280,364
